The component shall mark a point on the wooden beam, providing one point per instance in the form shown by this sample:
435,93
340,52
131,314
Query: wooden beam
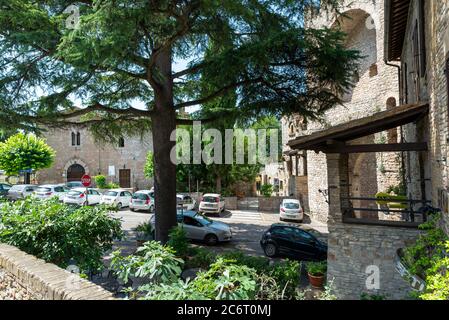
370,148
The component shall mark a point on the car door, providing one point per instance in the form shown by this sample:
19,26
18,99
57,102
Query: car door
283,237
194,229
94,197
29,191
305,245
128,197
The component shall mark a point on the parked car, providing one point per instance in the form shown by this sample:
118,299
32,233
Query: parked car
212,203
117,197
290,240
74,184
21,191
48,191
291,209
4,188
142,200
199,227
79,196
186,201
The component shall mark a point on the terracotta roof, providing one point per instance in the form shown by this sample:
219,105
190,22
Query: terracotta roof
362,127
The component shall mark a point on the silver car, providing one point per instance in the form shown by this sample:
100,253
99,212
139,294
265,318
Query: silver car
20,191
199,227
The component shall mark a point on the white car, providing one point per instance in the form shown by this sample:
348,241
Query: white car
291,209
117,197
186,202
20,191
79,197
48,191
212,203
142,200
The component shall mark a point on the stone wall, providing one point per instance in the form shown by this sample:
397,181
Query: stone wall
354,249
24,277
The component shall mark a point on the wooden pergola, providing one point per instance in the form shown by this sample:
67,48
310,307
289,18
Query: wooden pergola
335,143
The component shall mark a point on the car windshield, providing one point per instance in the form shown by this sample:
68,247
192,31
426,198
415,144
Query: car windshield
140,196
74,193
203,219
291,205
43,189
111,193
210,199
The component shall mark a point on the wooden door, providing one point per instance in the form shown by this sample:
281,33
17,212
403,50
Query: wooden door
125,178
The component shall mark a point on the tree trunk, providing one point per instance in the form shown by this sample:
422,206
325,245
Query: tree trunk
218,183
163,124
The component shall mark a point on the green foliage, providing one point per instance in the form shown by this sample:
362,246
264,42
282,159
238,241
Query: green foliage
368,296
100,181
148,170
59,233
266,190
153,261
399,190
316,268
428,258
25,151
178,241
145,231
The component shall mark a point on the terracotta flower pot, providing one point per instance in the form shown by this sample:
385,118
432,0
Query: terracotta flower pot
316,281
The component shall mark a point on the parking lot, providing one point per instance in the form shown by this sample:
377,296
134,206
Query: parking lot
247,228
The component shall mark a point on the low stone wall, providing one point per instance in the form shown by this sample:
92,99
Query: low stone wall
271,204
24,277
231,203
355,251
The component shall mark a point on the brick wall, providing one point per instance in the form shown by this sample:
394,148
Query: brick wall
24,277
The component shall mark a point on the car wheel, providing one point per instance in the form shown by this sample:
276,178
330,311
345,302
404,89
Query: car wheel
270,250
133,210
119,206
211,239
281,219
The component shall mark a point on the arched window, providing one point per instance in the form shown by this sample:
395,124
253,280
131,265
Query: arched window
78,139
73,139
121,142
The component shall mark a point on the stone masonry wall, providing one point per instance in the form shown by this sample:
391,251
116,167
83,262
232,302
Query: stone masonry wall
354,248
376,83
24,277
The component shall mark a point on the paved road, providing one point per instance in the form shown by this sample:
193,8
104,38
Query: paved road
247,228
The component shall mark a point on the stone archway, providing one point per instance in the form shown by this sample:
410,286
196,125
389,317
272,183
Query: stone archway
75,169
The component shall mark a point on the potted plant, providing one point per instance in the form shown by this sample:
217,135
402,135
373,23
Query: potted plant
316,271
144,233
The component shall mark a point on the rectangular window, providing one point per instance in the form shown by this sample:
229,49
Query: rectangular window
78,139
422,40
73,139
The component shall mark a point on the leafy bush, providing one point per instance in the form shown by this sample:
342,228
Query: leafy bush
200,258
178,241
429,259
100,181
59,233
266,190
153,261
316,269
145,231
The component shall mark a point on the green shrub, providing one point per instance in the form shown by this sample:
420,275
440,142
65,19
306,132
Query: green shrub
112,185
100,181
178,241
153,261
145,231
200,258
58,233
316,268
266,190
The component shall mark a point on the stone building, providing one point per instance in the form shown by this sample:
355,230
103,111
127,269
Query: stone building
372,92
363,251
78,153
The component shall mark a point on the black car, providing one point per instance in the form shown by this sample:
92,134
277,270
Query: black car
4,188
291,241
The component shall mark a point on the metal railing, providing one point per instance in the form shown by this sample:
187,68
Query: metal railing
387,212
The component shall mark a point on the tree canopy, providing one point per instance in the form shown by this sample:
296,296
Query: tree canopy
114,71
25,152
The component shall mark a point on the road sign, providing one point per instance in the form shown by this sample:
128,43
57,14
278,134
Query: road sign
86,180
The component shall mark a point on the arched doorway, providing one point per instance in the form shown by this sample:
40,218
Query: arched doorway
75,172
